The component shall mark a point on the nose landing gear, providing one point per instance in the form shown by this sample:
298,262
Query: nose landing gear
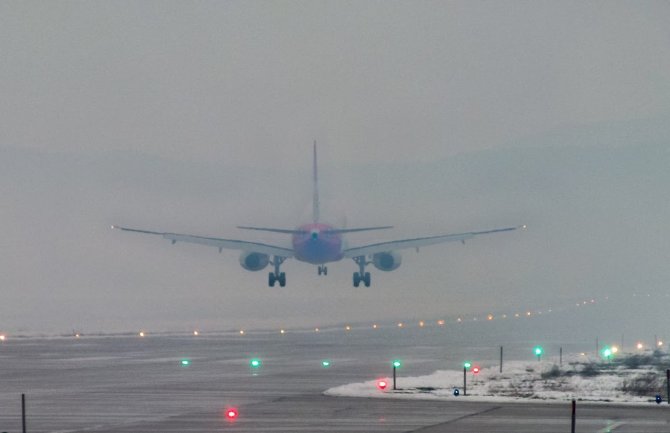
323,270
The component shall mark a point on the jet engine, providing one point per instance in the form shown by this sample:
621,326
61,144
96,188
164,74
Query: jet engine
254,261
387,261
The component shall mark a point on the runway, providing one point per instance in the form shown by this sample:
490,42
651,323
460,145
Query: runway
134,384
315,413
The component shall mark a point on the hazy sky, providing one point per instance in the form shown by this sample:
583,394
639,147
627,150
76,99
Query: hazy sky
436,117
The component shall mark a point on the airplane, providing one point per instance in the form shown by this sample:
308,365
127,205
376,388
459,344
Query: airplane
318,243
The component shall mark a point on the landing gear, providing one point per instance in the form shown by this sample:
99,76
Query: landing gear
361,276
323,270
277,276
365,279
273,278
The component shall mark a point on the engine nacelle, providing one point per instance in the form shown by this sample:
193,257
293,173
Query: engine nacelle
387,261
254,261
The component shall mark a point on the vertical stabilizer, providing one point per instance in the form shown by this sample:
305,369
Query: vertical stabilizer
315,197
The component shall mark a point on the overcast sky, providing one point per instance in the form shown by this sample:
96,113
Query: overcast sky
435,117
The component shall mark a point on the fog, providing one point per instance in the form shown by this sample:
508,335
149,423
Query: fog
433,117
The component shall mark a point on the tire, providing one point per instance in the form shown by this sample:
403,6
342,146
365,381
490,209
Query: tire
282,279
366,279
357,279
271,279
325,270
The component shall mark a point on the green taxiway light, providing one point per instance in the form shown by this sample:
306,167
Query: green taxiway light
255,363
538,350
185,362
397,364
325,363
467,364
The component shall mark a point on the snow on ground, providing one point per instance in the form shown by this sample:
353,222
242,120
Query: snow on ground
631,379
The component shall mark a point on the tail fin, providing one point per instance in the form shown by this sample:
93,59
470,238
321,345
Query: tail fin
315,197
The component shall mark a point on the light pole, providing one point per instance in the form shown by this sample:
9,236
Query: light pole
396,364
466,367
607,353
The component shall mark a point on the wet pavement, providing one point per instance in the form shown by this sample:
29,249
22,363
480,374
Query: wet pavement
134,384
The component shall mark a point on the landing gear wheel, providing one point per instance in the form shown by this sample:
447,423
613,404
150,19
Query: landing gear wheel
325,270
361,275
275,276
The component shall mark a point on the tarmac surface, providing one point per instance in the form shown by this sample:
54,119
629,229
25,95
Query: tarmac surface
134,384
315,413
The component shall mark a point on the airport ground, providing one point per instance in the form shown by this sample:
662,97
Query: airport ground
316,413
138,384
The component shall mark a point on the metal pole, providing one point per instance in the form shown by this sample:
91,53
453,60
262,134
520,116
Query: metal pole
501,358
23,412
597,348
574,407
560,356
394,377
465,387
667,383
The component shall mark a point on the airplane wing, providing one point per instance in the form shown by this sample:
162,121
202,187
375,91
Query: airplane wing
219,243
418,242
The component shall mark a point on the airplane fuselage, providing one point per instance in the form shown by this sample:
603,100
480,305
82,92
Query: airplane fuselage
315,245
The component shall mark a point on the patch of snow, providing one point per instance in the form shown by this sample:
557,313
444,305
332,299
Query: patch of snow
520,381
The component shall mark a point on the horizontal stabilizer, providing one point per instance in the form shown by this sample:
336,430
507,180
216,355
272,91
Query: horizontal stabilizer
300,232
362,229
274,230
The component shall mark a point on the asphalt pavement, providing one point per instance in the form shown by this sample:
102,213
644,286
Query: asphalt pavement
139,384
316,413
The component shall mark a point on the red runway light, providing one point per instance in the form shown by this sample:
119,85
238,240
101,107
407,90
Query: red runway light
475,370
381,384
231,413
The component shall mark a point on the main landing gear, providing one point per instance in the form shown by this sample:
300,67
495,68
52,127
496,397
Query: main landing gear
361,275
275,276
323,270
